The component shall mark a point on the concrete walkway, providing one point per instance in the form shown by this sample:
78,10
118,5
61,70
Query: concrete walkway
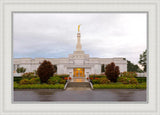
79,82
79,79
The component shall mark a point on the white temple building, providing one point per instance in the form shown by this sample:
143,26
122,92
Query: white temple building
77,64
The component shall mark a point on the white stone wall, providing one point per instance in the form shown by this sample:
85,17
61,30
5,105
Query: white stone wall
91,65
142,74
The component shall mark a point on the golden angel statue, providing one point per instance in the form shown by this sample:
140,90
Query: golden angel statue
79,28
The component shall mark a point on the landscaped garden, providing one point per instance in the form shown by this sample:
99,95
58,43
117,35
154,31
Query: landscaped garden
32,81
43,78
113,79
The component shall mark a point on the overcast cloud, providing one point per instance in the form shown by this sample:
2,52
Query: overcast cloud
53,35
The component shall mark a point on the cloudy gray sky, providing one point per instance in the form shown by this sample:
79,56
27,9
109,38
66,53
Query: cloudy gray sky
53,35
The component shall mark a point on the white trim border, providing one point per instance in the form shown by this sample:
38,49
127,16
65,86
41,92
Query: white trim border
150,6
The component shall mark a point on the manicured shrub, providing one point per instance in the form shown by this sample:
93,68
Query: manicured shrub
62,81
45,71
128,74
24,81
133,81
30,81
104,81
54,80
126,80
112,72
28,75
95,81
121,79
35,81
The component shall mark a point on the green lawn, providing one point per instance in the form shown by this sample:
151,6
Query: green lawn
119,86
38,86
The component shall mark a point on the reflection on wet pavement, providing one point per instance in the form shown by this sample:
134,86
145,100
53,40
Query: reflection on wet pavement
80,94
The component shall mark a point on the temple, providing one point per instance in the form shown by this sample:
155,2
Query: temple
77,64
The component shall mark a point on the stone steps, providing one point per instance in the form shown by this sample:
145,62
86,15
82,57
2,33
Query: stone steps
79,84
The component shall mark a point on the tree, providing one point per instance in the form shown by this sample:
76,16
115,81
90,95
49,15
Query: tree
45,71
21,70
102,68
112,72
132,67
143,59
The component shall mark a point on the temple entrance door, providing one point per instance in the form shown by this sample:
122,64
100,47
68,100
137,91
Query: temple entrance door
79,72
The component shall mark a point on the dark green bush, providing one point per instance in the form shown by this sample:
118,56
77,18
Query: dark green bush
45,71
17,79
141,79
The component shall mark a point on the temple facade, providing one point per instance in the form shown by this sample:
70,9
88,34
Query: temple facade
77,64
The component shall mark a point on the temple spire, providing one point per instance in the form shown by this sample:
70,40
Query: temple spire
78,46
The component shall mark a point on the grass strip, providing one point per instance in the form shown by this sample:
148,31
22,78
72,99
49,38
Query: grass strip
39,86
119,86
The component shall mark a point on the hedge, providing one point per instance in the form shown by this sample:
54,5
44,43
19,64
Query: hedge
61,76
141,79
17,79
97,76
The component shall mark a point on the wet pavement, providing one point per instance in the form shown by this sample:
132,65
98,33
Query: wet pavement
79,94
